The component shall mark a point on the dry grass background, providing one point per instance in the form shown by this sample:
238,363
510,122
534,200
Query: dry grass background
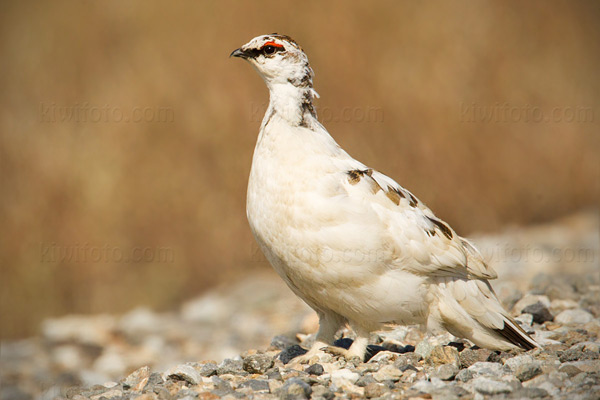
180,184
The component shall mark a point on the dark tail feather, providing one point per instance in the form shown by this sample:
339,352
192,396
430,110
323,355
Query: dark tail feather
516,335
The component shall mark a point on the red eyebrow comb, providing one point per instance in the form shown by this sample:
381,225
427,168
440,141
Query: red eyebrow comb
273,44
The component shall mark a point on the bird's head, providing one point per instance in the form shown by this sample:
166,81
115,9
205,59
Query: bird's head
278,59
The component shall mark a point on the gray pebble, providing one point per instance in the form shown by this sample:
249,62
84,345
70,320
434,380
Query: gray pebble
281,342
257,363
208,369
295,389
321,392
539,312
365,380
528,371
222,387
569,369
256,385
315,369
230,366
488,386
464,375
445,372
486,369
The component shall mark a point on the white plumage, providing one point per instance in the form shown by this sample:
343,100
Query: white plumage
348,240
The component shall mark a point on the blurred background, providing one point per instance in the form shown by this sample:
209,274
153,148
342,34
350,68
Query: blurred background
127,132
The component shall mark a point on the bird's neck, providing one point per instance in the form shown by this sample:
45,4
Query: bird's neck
293,103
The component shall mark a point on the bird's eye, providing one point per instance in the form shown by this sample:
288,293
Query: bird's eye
269,49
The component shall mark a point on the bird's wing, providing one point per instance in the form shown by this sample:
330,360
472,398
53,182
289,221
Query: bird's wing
424,244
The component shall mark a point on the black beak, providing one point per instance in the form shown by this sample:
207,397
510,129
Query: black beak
239,53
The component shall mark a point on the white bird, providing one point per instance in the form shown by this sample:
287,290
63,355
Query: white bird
351,242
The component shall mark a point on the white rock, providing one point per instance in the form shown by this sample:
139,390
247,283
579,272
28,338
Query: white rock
487,369
186,372
514,362
344,374
384,357
576,316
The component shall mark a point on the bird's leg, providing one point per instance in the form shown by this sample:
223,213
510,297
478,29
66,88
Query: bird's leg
358,348
329,324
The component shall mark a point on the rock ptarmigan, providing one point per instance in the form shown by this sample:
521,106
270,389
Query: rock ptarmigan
351,242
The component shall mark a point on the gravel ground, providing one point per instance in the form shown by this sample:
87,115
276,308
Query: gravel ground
222,344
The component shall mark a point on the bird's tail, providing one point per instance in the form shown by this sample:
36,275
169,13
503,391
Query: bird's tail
469,308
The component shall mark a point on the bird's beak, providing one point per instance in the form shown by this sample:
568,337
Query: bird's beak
239,53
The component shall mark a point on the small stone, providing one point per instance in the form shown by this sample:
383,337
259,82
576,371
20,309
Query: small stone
529,393
387,372
337,377
469,357
569,369
539,312
256,385
365,380
222,387
426,386
424,348
282,342
530,299
587,346
155,379
274,374
230,366
464,375
563,305
208,369
407,359
185,372
291,352
375,390
590,366
445,372
576,316
486,369
488,386
528,371
295,389
322,392
111,394
257,363
515,362
134,379
443,355
315,369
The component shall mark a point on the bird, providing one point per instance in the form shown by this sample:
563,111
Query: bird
362,251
